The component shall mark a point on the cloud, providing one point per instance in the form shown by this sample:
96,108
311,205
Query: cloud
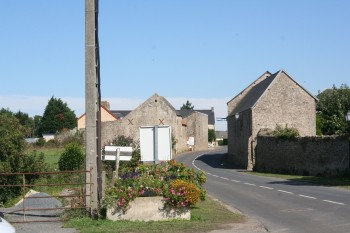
35,105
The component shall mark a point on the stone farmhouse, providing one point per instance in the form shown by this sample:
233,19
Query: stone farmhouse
271,100
156,111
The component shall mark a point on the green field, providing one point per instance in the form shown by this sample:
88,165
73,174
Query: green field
52,155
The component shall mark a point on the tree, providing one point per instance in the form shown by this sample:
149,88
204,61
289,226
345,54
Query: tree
26,122
211,135
57,116
187,106
12,156
332,107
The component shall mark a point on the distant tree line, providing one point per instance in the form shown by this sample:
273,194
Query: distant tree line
57,116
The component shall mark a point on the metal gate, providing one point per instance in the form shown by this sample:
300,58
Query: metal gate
25,213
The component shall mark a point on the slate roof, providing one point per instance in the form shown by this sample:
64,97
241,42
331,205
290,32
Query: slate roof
211,115
251,98
184,113
120,113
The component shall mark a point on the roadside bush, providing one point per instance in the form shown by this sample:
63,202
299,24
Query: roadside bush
285,133
72,158
41,142
69,136
34,162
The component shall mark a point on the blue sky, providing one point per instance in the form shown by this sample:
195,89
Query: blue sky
204,51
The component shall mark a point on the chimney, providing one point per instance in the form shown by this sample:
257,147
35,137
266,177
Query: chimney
105,104
212,109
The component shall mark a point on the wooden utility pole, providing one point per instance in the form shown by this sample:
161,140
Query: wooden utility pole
92,106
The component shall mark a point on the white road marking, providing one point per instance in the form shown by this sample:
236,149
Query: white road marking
264,187
250,184
300,195
282,191
237,181
333,202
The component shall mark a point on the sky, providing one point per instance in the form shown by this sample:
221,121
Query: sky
204,51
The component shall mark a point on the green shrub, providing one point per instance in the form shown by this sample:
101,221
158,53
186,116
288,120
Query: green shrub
285,133
41,142
72,158
34,162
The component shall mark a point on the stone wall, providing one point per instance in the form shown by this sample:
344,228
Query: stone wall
197,127
285,103
239,137
302,155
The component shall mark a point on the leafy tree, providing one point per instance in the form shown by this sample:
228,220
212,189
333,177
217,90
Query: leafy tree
211,135
331,110
187,106
6,111
26,122
12,157
37,123
57,116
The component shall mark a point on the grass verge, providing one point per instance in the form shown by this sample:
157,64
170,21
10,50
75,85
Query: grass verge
332,181
206,216
52,155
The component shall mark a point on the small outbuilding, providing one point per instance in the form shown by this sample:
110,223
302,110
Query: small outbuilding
271,100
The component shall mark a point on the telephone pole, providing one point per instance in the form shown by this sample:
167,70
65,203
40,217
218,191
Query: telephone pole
92,107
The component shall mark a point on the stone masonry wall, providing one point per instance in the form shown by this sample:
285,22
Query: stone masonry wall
197,127
285,103
239,134
157,111
303,155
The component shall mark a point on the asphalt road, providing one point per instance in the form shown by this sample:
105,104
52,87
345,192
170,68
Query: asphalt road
281,205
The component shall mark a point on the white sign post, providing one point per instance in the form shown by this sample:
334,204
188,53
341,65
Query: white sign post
117,153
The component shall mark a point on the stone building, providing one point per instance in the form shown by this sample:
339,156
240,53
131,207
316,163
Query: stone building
106,115
157,111
271,100
210,112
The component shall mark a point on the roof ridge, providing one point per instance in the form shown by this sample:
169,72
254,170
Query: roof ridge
266,72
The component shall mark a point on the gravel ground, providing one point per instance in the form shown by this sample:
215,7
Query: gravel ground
41,215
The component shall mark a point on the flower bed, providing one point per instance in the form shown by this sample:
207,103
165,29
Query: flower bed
177,187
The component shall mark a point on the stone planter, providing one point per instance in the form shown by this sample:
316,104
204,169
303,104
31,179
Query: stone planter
148,209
